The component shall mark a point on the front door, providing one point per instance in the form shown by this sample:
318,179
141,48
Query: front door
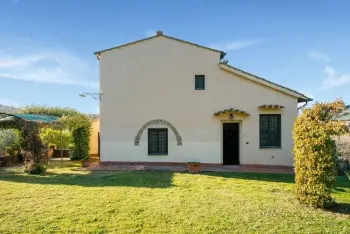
231,143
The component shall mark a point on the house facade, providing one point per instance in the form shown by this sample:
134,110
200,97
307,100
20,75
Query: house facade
165,100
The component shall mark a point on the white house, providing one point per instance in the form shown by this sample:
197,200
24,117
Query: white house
165,100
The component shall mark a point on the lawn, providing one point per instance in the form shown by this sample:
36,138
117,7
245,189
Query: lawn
67,200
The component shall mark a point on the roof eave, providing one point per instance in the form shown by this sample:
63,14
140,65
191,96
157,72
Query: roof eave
304,99
99,53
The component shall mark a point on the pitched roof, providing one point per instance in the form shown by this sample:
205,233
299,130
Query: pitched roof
301,97
160,34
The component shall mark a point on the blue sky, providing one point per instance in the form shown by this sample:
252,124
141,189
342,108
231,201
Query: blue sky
46,47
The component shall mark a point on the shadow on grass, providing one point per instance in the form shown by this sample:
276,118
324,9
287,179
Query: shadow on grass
145,179
268,177
339,208
341,183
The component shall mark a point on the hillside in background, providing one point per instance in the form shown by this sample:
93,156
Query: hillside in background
7,109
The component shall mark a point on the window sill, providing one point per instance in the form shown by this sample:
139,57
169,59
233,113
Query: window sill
270,147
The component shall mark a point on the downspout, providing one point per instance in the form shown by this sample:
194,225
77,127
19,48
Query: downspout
303,105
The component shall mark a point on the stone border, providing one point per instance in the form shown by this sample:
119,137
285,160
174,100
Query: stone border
157,122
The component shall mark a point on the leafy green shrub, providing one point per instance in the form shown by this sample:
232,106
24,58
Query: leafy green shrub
71,146
315,152
81,144
9,138
51,136
9,150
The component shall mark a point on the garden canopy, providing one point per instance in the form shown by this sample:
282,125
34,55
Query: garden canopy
5,117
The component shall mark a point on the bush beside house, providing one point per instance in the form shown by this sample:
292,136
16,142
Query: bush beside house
315,152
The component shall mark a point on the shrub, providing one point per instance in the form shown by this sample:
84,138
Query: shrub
51,136
9,138
315,152
81,144
9,150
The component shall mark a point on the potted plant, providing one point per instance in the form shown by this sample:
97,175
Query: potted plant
85,161
194,167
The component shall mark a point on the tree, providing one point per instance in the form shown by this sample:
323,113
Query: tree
35,158
61,139
9,137
315,152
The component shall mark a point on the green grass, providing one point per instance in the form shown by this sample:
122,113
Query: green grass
66,200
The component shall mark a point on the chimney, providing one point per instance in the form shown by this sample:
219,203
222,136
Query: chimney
159,33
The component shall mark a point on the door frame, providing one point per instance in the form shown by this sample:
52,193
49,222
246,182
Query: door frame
239,140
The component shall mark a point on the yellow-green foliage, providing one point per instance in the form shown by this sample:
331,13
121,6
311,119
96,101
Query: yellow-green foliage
77,123
62,139
314,152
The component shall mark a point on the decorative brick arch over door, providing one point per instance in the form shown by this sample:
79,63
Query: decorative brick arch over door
157,122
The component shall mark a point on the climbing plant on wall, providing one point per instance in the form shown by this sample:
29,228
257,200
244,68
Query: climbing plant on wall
315,152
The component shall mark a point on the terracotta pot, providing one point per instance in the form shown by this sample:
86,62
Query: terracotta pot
85,163
194,167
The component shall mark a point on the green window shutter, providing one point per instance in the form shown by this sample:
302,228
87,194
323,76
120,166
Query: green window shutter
157,141
270,131
199,82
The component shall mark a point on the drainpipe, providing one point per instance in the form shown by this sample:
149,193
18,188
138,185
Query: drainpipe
303,105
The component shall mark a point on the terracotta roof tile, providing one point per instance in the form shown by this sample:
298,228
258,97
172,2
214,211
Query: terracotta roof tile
271,106
229,111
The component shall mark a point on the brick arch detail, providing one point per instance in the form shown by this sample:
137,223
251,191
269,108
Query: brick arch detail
157,122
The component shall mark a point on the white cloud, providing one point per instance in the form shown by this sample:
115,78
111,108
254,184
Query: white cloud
47,66
333,79
234,45
319,56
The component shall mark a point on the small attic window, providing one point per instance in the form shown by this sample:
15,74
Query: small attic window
199,82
